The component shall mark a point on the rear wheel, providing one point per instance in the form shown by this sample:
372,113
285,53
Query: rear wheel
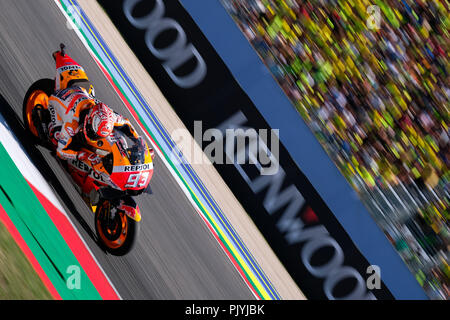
37,97
117,231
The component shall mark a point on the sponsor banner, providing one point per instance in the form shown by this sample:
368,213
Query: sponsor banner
300,227
256,80
166,148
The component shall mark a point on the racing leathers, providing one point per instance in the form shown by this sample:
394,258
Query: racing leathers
68,108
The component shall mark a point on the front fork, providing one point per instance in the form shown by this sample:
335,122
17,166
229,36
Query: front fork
126,205
130,207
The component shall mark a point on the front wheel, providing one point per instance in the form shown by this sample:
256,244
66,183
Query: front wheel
116,230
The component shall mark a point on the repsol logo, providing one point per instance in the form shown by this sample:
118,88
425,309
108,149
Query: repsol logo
176,54
285,201
137,168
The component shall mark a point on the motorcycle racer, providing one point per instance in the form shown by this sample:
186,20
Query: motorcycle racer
74,112
107,161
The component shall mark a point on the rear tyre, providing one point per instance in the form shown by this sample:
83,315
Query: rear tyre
37,95
119,234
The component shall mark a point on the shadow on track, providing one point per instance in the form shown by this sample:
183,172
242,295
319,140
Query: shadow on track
17,127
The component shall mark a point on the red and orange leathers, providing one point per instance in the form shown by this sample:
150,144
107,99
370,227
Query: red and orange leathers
68,103
65,108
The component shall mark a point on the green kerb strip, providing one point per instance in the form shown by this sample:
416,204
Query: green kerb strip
40,234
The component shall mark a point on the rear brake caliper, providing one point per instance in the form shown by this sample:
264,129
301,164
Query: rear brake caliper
38,117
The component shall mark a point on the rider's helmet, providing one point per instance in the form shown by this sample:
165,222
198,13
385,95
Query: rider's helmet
99,122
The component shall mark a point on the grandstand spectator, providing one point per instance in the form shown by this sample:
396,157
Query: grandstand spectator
377,98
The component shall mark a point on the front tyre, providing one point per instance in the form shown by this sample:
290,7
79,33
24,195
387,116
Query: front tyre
116,231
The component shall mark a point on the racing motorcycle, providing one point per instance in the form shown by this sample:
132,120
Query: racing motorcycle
126,170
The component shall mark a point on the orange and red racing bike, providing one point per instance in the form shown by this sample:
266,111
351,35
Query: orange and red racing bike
108,189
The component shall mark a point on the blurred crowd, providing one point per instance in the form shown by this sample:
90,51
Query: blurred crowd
371,79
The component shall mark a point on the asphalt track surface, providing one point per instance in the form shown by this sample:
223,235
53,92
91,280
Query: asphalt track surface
176,256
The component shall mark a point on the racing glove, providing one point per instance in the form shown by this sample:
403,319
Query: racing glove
95,161
88,156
